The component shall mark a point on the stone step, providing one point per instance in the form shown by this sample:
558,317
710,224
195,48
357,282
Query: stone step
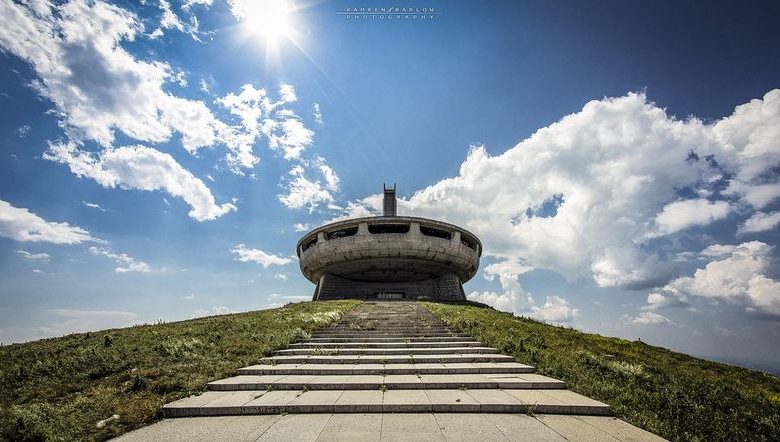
387,339
396,336
431,344
358,340
374,369
390,382
322,351
217,403
389,359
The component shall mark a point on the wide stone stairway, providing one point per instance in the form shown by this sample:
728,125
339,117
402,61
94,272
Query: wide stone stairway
389,370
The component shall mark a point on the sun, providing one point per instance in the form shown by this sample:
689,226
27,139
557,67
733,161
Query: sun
269,19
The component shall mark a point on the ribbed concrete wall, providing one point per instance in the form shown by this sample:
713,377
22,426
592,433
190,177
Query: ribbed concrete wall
446,287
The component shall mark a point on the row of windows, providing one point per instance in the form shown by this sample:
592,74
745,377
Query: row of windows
389,228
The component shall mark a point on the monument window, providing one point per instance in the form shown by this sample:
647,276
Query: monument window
308,244
388,228
466,242
342,233
438,233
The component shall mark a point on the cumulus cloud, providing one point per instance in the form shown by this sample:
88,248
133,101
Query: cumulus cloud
260,116
516,300
680,215
555,309
650,318
760,222
657,301
245,254
22,225
614,176
304,192
142,168
96,85
738,274
125,263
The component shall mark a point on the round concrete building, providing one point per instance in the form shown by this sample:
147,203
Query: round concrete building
389,257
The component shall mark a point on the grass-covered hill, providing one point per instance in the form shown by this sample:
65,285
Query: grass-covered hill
671,394
62,388
71,388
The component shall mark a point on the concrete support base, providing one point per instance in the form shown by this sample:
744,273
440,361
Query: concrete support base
447,287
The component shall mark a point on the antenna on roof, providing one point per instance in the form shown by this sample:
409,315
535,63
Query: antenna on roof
389,201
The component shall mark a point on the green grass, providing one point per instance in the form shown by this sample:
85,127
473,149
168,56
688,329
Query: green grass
671,394
60,388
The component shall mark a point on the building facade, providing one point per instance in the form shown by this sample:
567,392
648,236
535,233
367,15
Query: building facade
389,257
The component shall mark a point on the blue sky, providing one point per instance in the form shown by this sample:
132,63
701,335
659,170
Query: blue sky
619,160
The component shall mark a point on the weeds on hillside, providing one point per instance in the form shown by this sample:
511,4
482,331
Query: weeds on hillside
71,388
673,395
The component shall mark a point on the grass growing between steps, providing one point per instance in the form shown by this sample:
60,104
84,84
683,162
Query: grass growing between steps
60,388
671,394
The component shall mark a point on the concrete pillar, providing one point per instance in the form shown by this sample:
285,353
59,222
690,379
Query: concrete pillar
320,236
414,229
456,237
363,229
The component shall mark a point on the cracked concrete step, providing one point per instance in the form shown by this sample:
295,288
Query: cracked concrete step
393,336
360,339
374,369
389,359
392,426
398,344
413,339
408,332
217,403
320,351
391,382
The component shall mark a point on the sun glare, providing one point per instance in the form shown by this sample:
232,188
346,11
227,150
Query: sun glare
270,19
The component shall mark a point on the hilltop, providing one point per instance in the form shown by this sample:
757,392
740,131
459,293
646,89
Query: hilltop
70,388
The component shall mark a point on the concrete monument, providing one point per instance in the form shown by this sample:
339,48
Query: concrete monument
389,257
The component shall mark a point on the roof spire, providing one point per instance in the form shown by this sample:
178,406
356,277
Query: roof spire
389,201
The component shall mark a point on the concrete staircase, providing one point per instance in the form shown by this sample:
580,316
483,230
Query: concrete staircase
387,357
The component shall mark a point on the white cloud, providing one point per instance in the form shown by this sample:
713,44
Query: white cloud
287,93
125,263
760,222
738,276
317,113
514,299
76,321
657,301
605,173
758,196
303,192
260,116
258,256
20,224
301,227
34,256
142,168
93,206
650,318
218,310
680,215
96,85
555,309
281,276
23,130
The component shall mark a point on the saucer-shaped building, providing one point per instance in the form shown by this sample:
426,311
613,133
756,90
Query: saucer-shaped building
389,257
